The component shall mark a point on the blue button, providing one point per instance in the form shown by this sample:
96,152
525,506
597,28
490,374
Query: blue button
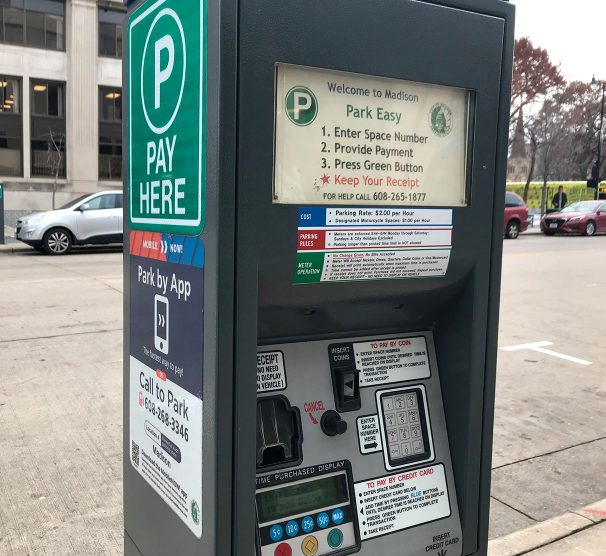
338,516
276,533
292,528
323,520
307,524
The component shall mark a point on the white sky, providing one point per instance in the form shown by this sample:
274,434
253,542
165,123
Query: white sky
569,31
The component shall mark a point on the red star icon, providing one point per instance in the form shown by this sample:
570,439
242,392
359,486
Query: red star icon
325,179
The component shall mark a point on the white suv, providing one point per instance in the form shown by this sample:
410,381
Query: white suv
95,218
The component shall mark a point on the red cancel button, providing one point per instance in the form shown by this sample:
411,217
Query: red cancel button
283,550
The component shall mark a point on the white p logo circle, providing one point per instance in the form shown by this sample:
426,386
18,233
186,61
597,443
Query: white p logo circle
162,74
163,69
302,103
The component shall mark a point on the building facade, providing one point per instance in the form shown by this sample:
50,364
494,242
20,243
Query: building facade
519,162
60,101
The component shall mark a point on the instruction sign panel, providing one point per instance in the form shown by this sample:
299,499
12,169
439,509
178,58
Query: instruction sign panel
166,368
396,360
166,44
384,361
345,244
346,138
396,502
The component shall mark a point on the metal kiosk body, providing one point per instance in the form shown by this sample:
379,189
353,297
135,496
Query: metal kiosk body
313,245
1,213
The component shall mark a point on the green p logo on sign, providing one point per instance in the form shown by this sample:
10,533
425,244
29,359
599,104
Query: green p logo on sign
166,120
301,106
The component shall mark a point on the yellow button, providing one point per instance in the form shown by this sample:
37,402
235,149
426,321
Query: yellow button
309,546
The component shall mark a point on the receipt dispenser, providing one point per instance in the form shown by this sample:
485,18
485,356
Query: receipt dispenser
332,367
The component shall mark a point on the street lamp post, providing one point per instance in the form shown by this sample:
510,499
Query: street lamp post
595,174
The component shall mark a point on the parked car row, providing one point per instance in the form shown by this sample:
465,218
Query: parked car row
584,217
97,219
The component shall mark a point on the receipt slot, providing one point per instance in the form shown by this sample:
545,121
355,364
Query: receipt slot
313,236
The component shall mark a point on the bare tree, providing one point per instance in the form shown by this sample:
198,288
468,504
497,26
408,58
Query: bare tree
56,145
534,77
552,140
534,145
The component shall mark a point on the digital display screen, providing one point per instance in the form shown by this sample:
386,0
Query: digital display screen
300,498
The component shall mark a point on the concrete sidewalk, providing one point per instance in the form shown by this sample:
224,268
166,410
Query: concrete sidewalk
582,532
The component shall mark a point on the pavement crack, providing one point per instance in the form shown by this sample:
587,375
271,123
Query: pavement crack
514,509
50,337
550,453
82,275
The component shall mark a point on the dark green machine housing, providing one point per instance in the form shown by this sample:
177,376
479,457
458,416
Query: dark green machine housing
250,244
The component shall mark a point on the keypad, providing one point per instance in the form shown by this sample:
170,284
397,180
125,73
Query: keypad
402,416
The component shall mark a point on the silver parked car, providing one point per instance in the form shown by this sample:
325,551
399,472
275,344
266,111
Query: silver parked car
93,219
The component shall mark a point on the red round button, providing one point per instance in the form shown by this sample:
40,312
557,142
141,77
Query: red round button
283,550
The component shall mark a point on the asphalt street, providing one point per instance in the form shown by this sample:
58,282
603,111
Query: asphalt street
61,393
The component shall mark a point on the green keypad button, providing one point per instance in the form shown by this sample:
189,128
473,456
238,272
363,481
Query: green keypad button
335,538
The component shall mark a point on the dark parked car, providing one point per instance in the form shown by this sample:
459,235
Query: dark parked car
516,215
584,217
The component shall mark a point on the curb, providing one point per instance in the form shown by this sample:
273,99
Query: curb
549,531
12,248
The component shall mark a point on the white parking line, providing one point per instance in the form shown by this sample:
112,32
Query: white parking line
540,347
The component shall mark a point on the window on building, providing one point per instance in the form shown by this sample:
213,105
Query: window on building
11,126
38,23
110,31
110,133
48,128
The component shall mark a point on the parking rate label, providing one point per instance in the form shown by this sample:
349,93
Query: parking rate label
167,116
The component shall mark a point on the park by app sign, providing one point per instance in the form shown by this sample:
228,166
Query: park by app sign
167,116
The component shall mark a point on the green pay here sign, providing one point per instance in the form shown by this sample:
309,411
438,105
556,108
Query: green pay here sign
166,48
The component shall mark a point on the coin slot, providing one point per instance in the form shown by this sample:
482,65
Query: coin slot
346,383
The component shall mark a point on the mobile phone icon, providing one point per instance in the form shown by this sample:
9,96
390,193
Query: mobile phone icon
161,323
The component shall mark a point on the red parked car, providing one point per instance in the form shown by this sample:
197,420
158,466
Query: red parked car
584,217
516,215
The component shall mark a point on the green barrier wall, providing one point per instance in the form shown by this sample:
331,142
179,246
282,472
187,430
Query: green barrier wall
575,190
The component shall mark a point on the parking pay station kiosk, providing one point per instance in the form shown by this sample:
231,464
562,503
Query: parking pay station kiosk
312,268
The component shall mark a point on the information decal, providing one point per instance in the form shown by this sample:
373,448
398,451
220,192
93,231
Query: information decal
369,434
166,126
396,502
166,368
346,138
346,244
271,373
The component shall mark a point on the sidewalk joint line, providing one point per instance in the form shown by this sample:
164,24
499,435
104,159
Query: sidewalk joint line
550,453
516,510
104,331
80,274
565,536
